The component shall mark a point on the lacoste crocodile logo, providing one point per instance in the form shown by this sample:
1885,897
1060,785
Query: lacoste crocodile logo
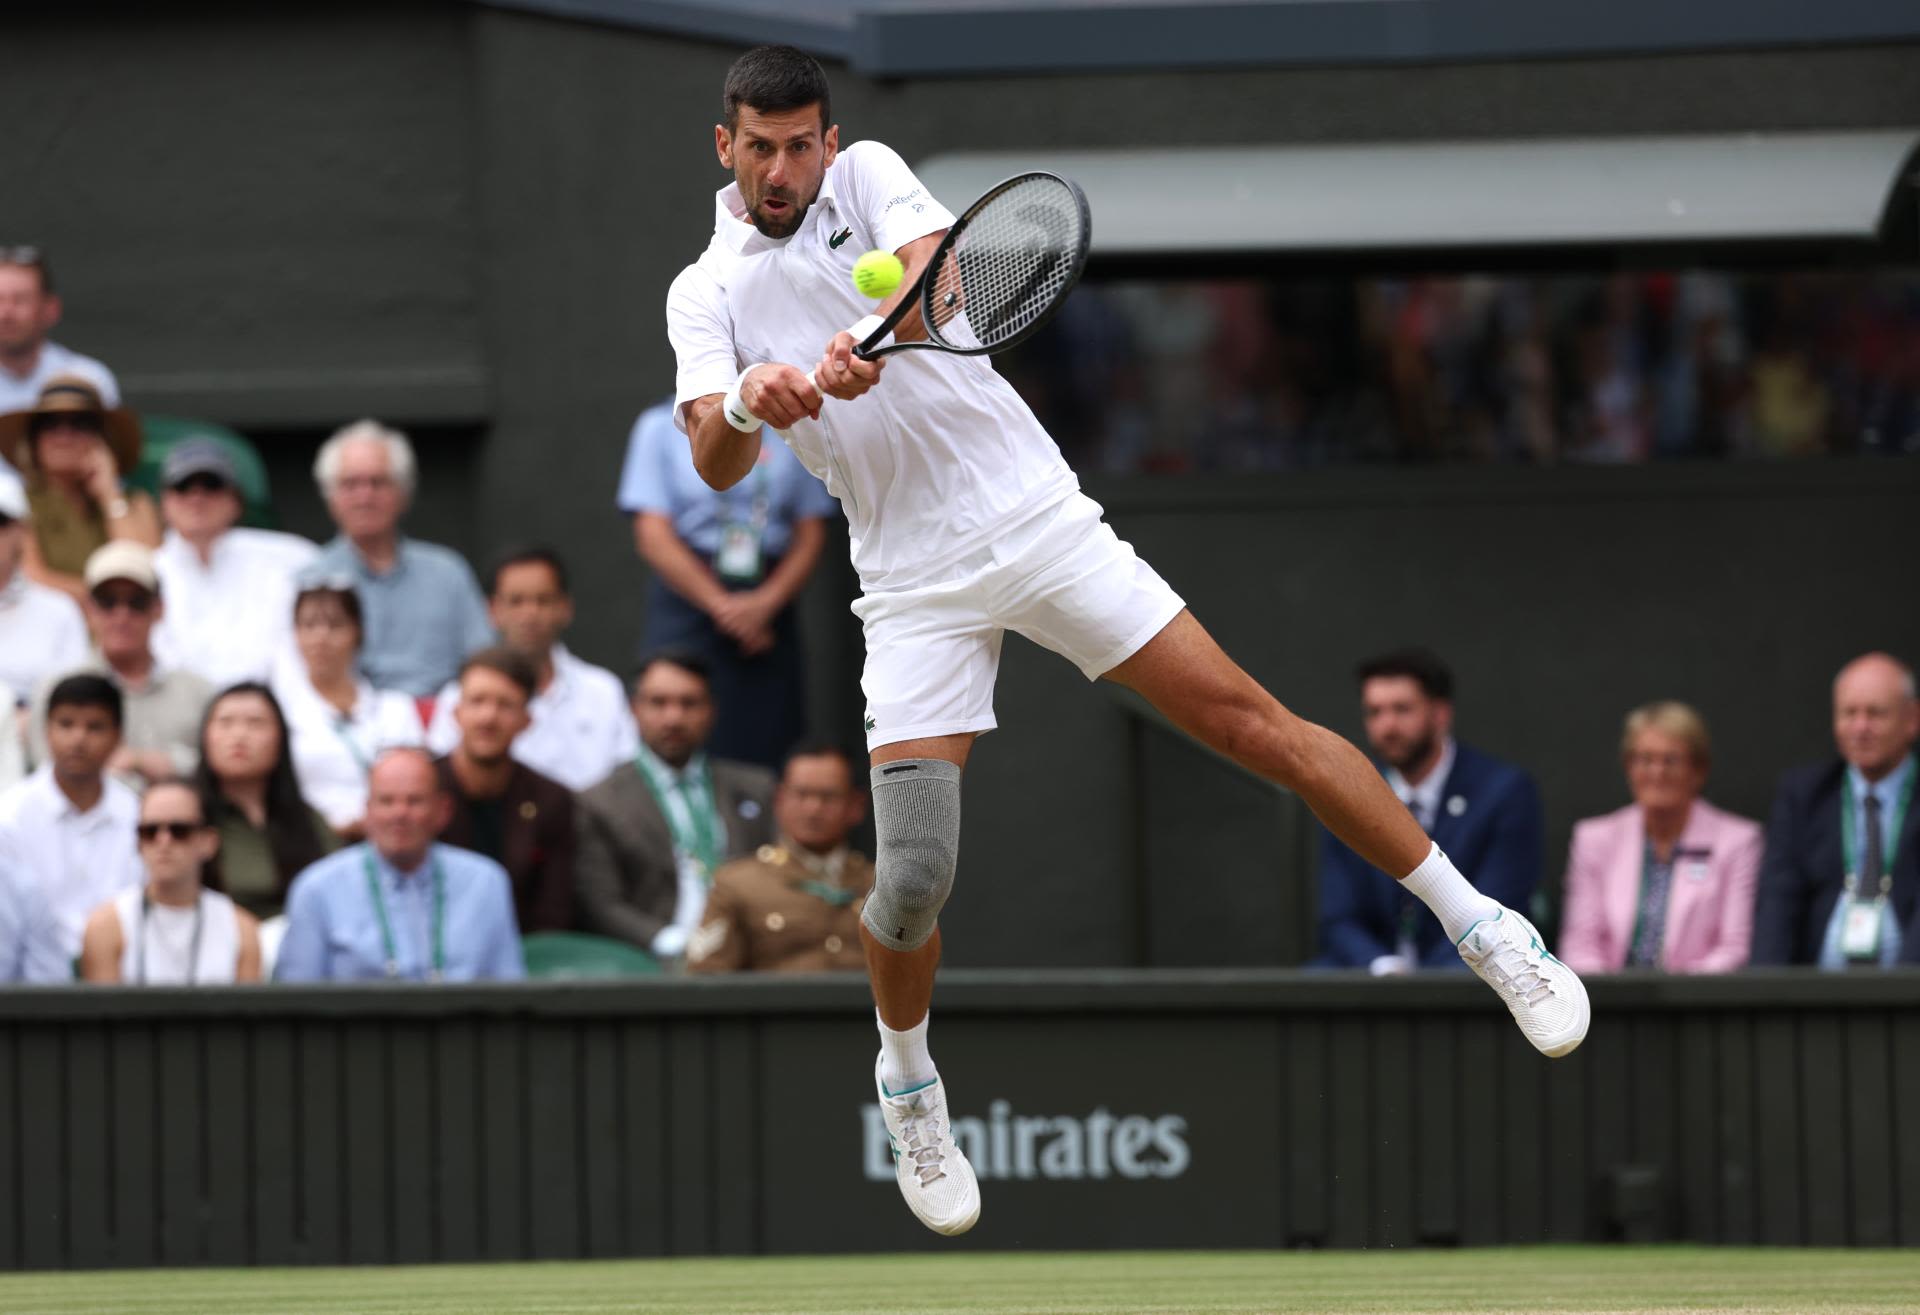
834,241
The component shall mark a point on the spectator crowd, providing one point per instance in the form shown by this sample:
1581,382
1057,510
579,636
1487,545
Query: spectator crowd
229,754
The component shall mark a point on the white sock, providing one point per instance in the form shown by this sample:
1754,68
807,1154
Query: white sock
904,1061
1451,896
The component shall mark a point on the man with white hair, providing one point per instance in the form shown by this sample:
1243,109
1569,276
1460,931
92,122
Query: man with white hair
424,611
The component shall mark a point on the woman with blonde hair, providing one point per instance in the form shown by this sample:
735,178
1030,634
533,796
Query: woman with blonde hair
1668,881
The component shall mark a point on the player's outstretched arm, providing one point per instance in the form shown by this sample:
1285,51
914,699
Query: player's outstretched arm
773,394
846,376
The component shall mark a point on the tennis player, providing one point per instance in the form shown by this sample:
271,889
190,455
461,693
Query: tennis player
967,523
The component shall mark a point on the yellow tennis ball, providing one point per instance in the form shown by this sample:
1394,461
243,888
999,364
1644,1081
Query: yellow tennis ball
878,273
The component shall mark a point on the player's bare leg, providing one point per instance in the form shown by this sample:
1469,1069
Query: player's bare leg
934,1177
1187,676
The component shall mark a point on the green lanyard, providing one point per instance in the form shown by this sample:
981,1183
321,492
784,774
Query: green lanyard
696,835
1889,836
379,898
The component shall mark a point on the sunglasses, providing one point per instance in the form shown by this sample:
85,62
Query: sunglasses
85,422
182,831
137,603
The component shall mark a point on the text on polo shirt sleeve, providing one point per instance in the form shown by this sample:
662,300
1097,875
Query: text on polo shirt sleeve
701,330
895,204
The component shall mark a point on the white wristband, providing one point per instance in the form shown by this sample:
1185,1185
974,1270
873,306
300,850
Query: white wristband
860,330
735,410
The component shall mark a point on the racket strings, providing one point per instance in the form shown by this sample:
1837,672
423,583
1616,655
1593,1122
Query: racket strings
1018,255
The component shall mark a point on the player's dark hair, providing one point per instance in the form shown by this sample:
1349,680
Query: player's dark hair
775,80
822,749
685,659
527,554
88,692
509,662
1420,665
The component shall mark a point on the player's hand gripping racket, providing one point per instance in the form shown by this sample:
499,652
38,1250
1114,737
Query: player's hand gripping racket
1000,273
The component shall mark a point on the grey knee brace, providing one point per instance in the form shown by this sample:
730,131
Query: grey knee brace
916,814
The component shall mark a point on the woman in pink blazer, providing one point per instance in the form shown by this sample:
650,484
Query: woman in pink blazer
1668,881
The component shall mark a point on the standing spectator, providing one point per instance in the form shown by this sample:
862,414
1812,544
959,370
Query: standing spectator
229,588
339,722
1483,812
726,567
70,825
31,952
1840,884
41,630
29,310
76,452
794,906
401,907
653,833
1666,882
163,707
173,931
423,606
246,779
581,727
502,808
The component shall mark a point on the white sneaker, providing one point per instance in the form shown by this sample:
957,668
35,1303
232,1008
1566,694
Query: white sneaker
1543,994
934,1176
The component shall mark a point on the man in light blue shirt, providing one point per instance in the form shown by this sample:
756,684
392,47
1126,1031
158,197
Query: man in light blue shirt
424,611
726,566
400,907
30,942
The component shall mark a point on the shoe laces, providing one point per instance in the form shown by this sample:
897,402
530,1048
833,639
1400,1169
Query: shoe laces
1518,973
921,1134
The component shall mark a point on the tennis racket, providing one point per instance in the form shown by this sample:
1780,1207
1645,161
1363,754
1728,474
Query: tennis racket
1000,272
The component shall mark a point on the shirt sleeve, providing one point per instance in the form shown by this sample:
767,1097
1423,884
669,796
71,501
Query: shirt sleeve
504,960
476,627
895,204
644,485
303,950
701,330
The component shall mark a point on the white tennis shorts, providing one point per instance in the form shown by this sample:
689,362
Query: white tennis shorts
1065,580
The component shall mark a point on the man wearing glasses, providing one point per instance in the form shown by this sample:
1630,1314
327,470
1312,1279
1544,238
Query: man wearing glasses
163,706
29,310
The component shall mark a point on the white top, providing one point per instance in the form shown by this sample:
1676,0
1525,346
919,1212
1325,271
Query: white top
582,724
933,462
156,941
81,860
332,754
13,756
19,392
42,632
231,619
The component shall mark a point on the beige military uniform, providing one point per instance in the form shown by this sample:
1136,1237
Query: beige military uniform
783,910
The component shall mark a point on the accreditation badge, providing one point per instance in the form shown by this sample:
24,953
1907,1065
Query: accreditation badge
738,561
1860,930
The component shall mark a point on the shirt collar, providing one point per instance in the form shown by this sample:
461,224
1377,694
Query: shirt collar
14,589
365,571
1887,789
827,867
405,879
695,765
64,809
1433,783
739,236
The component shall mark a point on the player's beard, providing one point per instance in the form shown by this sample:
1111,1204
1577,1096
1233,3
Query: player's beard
785,226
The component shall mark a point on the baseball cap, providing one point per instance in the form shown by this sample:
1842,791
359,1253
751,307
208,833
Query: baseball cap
122,559
197,456
13,496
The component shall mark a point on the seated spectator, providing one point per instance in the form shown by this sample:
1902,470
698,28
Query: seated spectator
581,727
163,708
1666,882
1483,812
724,569
229,588
31,952
174,931
794,906
13,753
246,779
41,630
502,808
1840,883
401,907
29,358
76,453
70,825
654,832
339,722
423,606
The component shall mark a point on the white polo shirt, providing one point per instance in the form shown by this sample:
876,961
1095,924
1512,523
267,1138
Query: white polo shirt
582,724
42,632
333,754
19,392
230,619
81,860
929,465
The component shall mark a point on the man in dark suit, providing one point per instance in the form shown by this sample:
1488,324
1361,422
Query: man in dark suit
653,833
1483,812
1840,883
501,807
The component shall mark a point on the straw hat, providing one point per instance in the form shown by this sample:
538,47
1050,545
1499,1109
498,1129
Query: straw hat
69,394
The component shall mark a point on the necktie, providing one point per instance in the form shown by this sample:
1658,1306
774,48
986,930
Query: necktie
1871,859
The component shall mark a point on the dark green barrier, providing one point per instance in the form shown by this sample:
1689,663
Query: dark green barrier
277,1126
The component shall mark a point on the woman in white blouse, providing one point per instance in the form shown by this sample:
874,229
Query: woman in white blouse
338,722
